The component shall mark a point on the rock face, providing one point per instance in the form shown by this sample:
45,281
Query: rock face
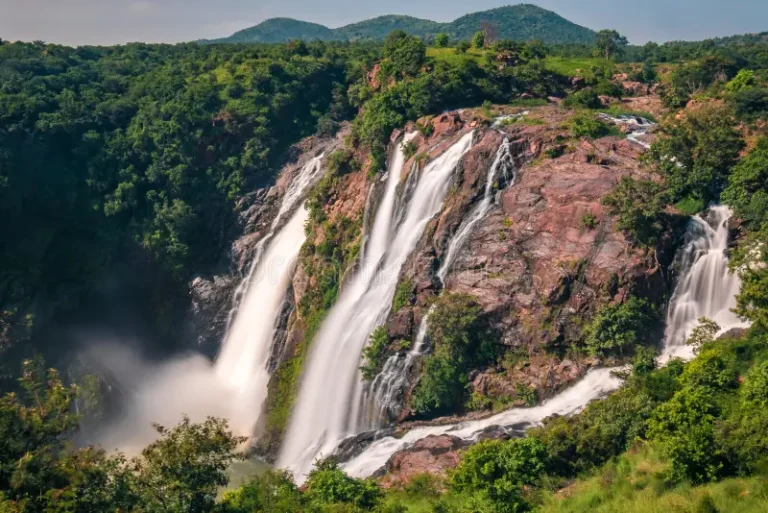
213,297
433,455
545,258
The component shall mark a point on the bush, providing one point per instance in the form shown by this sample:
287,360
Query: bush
441,40
342,162
327,484
640,206
463,47
586,98
589,221
403,295
686,428
617,329
499,471
375,353
588,125
462,342
747,191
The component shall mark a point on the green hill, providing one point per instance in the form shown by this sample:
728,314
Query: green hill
520,22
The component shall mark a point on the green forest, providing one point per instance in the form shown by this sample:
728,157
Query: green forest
113,158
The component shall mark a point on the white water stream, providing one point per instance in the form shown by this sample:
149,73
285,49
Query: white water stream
235,386
330,405
388,386
706,288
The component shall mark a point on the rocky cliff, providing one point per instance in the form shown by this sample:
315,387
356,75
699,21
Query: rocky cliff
541,262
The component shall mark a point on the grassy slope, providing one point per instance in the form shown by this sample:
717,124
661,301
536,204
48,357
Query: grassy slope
637,483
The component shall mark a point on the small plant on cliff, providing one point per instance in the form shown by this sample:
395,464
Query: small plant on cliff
617,329
403,295
589,221
375,353
409,149
342,162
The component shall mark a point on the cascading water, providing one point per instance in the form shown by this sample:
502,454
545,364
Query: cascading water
235,387
390,383
503,162
330,404
243,359
707,288
639,125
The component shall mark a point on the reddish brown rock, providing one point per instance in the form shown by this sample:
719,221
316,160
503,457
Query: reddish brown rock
432,455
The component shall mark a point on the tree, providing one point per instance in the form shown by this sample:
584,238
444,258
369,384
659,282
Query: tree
696,152
609,43
327,484
186,467
463,46
490,30
478,40
743,80
406,54
617,329
703,334
441,40
649,74
498,471
640,206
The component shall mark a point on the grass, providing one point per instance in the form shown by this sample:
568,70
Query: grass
528,102
452,57
638,483
572,67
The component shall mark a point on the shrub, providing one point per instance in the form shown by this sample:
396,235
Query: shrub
499,471
403,294
327,484
374,353
462,341
589,220
744,79
588,125
617,329
640,206
478,40
463,46
750,104
685,427
586,98
342,162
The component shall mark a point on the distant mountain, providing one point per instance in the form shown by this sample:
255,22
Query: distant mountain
520,22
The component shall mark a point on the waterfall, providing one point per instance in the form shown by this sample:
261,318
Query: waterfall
706,288
330,403
504,162
244,356
235,386
390,383
640,127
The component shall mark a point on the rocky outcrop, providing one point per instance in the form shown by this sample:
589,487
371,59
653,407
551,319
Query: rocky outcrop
432,455
545,258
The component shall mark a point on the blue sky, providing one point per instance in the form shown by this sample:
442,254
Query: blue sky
117,21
